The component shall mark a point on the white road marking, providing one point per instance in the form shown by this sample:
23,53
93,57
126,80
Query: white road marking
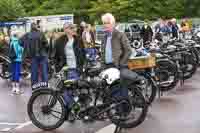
23,125
5,129
10,124
108,129
16,126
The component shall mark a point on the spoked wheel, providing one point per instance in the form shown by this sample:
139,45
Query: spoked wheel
46,110
5,63
120,109
135,115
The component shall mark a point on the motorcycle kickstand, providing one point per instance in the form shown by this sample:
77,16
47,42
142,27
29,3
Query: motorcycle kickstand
182,80
119,130
160,93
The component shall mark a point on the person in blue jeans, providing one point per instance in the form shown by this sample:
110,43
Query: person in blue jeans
39,64
15,53
36,48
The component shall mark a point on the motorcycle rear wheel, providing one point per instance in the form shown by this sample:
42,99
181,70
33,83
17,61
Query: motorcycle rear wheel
138,103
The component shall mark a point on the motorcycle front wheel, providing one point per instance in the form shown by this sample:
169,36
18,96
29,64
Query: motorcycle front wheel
46,110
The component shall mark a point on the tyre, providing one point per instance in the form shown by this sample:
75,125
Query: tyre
42,109
198,52
136,114
167,74
149,89
190,66
5,63
195,54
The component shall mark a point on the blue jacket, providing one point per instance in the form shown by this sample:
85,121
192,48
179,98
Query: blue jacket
15,42
164,29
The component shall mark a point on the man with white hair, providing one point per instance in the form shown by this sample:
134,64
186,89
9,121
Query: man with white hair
116,51
116,48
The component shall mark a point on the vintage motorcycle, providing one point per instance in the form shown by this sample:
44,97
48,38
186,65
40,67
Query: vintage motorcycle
94,97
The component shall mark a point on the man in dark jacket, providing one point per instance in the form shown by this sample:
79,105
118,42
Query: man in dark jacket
146,33
36,48
115,48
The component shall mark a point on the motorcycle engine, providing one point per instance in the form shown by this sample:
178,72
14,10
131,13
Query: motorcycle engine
94,80
86,92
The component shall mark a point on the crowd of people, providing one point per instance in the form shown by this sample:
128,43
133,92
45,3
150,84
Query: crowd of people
76,45
71,48
169,28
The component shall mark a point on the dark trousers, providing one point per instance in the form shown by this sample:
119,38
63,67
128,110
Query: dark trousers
92,52
72,74
68,99
39,65
16,71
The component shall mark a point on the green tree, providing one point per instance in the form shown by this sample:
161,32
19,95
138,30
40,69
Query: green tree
11,10
91,10
125,10
192,8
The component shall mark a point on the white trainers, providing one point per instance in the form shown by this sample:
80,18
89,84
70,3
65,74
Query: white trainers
28,76
13,90
18,91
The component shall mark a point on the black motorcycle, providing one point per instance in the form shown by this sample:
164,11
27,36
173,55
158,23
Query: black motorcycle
93,100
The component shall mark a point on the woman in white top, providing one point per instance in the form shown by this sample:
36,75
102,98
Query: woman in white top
68,52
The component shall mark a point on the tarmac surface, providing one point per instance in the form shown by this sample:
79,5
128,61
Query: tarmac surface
176,111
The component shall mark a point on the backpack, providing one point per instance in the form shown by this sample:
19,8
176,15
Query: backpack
16,50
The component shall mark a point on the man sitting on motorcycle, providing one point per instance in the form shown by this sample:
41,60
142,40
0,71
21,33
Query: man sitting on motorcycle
116,51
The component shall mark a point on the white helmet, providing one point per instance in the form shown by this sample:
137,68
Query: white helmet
110,75
198,34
